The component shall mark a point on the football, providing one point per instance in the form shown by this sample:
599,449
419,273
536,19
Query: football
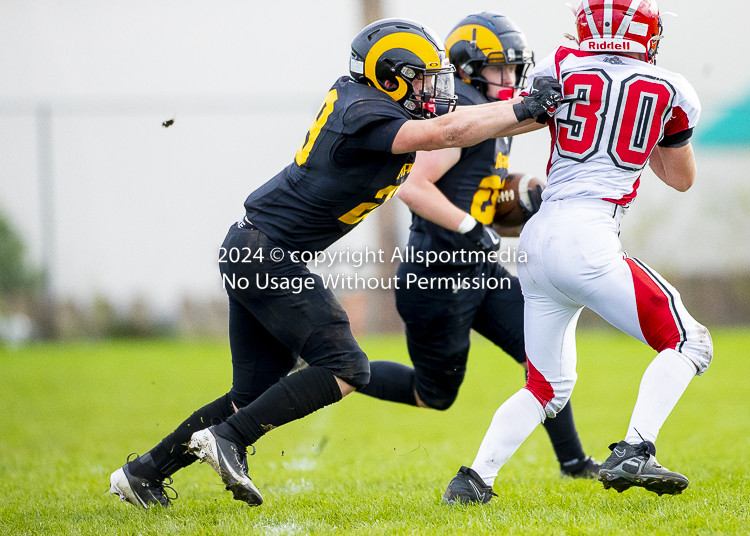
513,196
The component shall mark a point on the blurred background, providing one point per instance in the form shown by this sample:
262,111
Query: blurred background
110,223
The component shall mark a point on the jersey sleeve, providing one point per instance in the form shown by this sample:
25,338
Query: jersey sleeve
546,67
377,136
368,125
362,114
686,108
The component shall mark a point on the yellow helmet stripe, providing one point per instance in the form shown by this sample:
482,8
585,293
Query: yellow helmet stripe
408,41
486,38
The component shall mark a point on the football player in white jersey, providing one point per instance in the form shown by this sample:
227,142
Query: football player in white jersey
619,113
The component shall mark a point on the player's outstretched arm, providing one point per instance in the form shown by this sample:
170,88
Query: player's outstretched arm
675,166
463,128
470,125
423,197
522,128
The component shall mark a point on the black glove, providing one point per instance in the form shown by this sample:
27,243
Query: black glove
546,92
535,201
484,237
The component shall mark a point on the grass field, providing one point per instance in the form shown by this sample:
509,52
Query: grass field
71,414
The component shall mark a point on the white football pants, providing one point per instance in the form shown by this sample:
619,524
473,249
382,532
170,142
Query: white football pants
574,260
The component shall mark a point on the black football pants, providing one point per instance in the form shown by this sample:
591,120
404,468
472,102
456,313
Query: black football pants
270,328
439,323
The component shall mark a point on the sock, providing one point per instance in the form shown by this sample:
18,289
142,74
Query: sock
171,454
294,397
662,385
512,424
391,381
564,437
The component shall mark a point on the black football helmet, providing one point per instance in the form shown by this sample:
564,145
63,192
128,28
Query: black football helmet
488,39
407,61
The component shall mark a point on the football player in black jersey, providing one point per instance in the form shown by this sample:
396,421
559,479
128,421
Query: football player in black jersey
355,156
452,194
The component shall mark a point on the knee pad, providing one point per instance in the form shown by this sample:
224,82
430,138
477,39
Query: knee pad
440,400
354,370
551,395
241,399
332,346
556,405
699,348
438,388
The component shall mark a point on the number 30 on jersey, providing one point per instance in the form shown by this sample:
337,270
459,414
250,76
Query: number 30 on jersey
638,119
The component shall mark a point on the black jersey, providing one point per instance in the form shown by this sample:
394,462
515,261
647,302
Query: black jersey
342,172
472,185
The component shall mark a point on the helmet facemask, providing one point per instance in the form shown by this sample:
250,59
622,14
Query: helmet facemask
429,88
653,48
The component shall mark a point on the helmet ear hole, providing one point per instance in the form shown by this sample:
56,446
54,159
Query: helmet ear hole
389,85
385,73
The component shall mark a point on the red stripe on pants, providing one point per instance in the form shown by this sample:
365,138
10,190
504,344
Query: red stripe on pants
538,386
654,315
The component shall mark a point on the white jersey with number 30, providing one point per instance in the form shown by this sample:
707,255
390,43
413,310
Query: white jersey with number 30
602,140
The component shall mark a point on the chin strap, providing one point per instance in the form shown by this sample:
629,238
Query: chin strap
505,93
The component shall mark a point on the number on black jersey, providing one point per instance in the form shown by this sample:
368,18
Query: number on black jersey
304,152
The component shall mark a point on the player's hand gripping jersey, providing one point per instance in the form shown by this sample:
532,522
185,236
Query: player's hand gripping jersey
615,110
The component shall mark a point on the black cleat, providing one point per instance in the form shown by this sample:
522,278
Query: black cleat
636,465
229,461
138,491
589,469
467,488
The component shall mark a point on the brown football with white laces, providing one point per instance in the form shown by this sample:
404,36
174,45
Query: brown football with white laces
513,196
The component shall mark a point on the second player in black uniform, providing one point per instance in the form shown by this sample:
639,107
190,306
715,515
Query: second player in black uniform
355,156
452,194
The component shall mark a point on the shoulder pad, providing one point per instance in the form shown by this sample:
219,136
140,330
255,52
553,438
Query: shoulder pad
364,105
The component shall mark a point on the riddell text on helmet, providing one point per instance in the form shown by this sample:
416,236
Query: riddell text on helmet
607,45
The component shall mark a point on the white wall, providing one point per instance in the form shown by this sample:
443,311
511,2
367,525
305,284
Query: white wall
140,210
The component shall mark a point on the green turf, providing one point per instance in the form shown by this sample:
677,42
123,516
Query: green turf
72,413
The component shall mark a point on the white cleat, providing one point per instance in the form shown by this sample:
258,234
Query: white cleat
139,492
229,461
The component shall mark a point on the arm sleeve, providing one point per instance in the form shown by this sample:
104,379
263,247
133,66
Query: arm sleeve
673,141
